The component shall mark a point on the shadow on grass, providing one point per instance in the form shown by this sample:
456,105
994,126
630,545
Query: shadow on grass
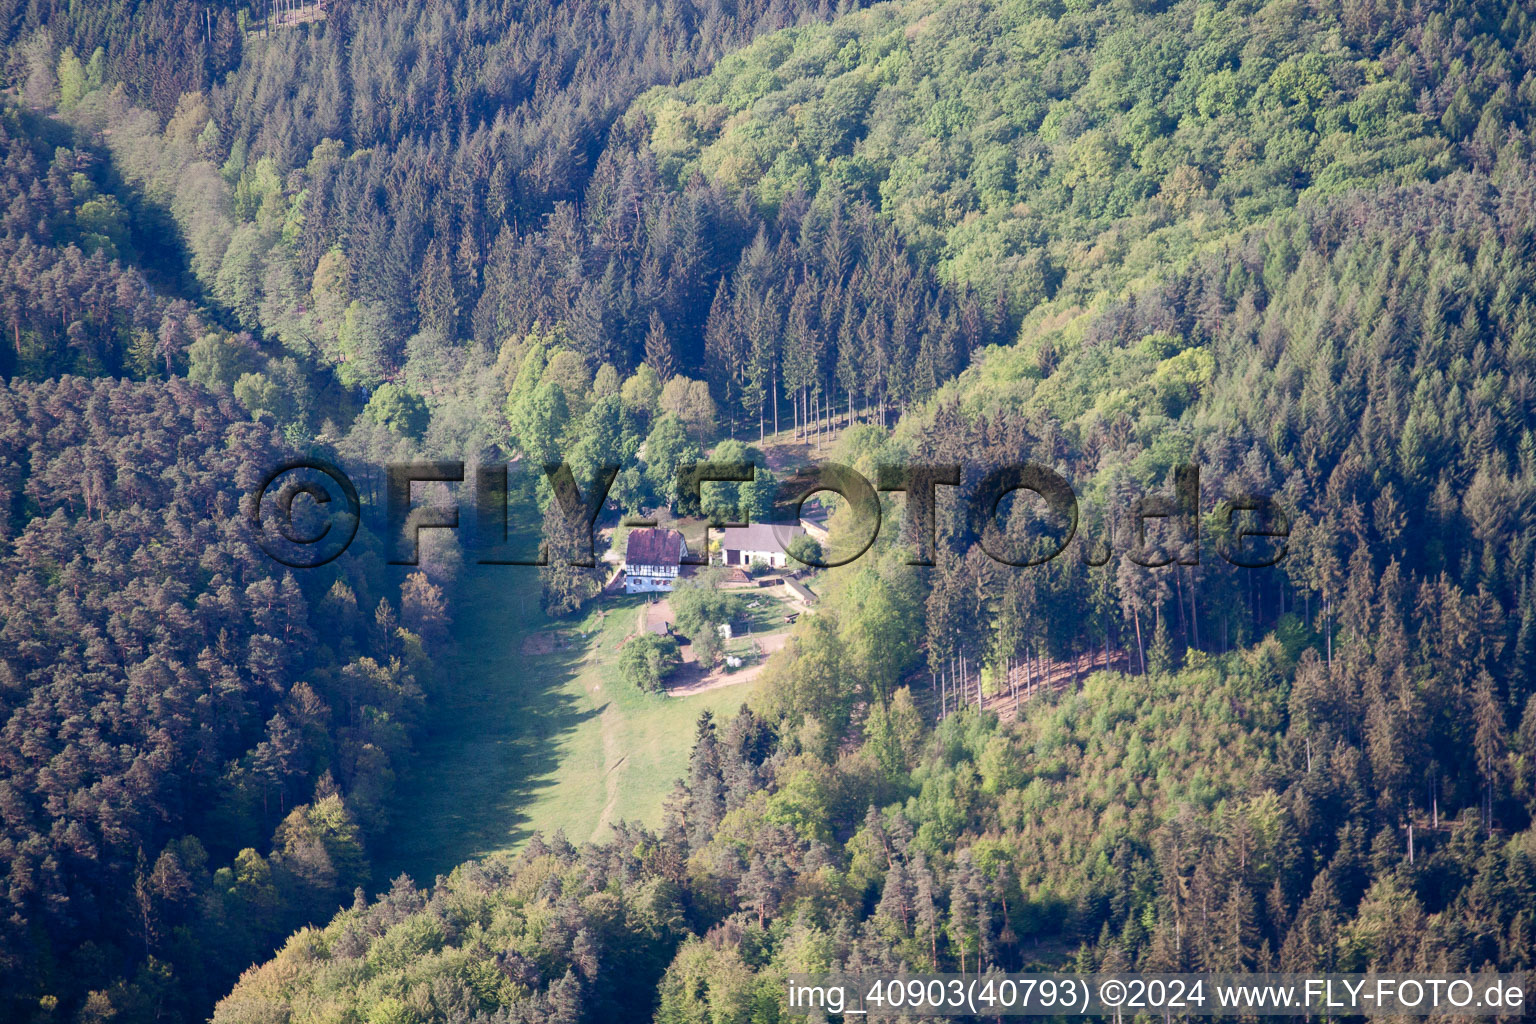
492,741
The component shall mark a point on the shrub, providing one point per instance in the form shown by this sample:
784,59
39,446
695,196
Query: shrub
647,660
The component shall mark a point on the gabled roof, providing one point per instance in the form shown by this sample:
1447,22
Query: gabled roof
801,591
651,546
760,536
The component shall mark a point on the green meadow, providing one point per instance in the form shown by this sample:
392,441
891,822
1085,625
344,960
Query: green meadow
523,741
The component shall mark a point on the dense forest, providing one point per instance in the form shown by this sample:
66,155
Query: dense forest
1288,244
197,743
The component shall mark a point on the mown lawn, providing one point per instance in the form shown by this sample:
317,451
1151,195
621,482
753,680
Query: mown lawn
522,743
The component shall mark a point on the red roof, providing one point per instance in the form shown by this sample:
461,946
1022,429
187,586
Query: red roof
651,546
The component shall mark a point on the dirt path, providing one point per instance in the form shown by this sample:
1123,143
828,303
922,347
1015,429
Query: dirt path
657,613
688,680
611,725
720,678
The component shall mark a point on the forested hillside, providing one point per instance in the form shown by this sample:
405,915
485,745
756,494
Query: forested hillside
86,266
159,49
1289,249
1039,149
354,225
197,743
1288,244
204,745
189,774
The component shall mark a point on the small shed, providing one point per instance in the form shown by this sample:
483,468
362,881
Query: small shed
801,592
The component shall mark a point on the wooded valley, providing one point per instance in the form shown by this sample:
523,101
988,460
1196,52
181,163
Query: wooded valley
1291,244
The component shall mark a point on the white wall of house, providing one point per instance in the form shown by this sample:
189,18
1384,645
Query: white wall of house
774,559
634,584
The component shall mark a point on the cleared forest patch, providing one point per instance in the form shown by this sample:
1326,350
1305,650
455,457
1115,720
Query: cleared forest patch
536,731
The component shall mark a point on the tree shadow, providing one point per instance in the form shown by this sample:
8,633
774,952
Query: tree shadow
492,741
157,247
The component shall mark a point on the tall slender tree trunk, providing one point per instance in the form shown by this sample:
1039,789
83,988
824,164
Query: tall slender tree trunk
1194,610
1328,622
1178,593
1106,638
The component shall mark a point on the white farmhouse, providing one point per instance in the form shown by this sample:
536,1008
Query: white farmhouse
652,560
760,542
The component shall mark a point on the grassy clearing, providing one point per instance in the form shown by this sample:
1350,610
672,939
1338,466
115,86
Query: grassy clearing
524,743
